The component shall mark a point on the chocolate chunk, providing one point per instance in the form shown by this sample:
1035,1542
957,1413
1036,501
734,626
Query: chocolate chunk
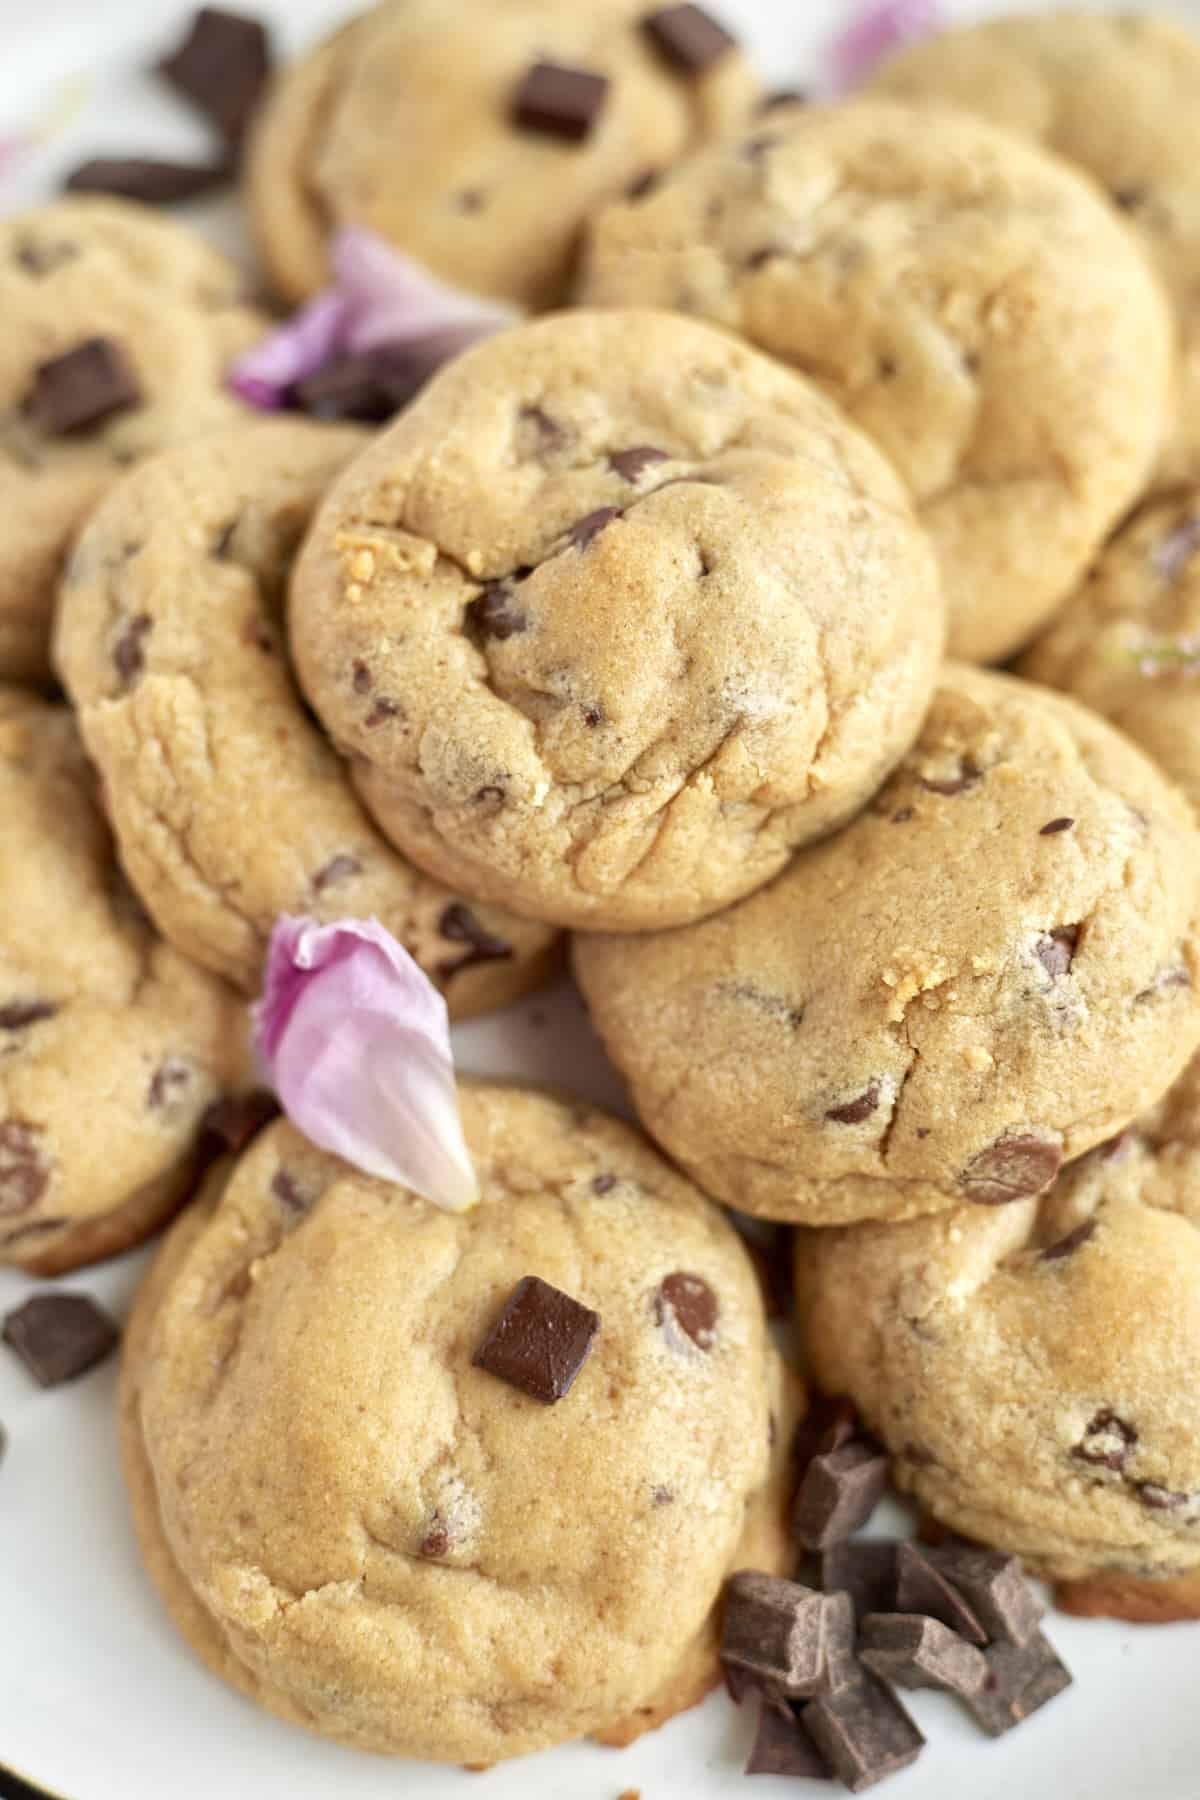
783,1747
222,67
1056,953
290,1192
993,1586
1021,1678
863,1734
830,1422
922,1588
911,1650
560,102
1175,551
370,387
689,38
24,1174
385,708
584,530
59,1336
864,1569
232,1122
337,869
858,1110
632,463
495,614
540,1341
459,924
145,178
1014,1167
20,1013
1107,1442
969,776
839,1492
775,1629
1158,1498
167,1082
81,388
688,1302
1055,826
435,1543
1074,1240
129,658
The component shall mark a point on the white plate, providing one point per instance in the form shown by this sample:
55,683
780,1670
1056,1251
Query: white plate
99,1700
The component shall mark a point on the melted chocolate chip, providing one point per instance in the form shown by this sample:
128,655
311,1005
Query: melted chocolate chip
222,67
661,1496
603,1184
560,102
360,678
459,924
233,1121
129,658
688,1302
435,1543
549,432
1107,1442
1055,826
1056,953
688,38
1159,1499
59,1336
540,1342
495,613
385,708
1014,1167
593,716
632,463
1074,1240
857,1111
585,530
82,388
24,1175
20,1013
290,1192
969,776
167,1083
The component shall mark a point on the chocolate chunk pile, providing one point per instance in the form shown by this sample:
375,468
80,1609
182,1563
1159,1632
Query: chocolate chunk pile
825,1657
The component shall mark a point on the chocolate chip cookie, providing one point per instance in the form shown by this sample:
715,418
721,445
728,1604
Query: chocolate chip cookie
613,617
993,969
1118,94
228,804
457,1487
1128,644
118,328
1035,1368
484,166
972,303
112,1047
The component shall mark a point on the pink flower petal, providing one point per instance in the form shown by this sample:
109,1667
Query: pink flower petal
394,301
356,1042
875,32
308,340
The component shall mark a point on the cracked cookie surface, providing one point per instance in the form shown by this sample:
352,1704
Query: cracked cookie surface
1128,643
229,804
972,303
112,1047
81,269
1035,1369
993,969
496,209
613,617
1119,95
382,1541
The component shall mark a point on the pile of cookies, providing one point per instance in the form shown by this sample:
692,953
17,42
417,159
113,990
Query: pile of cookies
663,616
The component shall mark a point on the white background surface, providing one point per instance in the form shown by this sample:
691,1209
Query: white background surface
98,1699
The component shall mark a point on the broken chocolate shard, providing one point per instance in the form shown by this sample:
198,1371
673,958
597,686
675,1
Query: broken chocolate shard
922,1588
838,1494
81,388
1055,826
912,1650
459,925
863,1734
540,1342
59,1336
1021,1679
858,1110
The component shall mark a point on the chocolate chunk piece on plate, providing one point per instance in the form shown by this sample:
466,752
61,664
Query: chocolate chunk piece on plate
221,67
783,1747
910,1650
921,1587
147,178
864,1734
839,1492
995,1589
59,1336
1021,1679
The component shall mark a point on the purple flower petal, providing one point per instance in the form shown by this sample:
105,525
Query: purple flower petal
356,1043
394,302
300,347
875,32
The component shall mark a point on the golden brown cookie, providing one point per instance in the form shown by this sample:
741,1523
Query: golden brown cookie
974,305
991,970
642,611
388,124
347,1515
112,1047
229,805
169,308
